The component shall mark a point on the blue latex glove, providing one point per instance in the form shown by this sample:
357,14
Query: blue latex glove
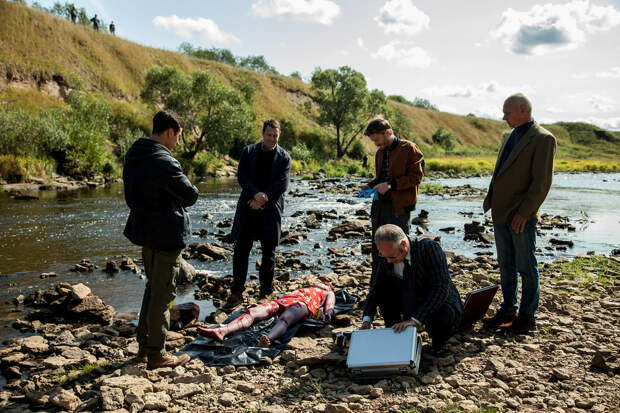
367,193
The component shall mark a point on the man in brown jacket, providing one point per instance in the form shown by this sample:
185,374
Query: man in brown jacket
398,173
520,183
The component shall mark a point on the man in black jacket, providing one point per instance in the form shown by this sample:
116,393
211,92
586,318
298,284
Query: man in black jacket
157,193
413,287
264,174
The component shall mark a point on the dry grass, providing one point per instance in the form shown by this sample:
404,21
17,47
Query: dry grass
35,46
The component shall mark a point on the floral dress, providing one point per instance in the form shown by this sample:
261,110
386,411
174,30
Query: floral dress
312,297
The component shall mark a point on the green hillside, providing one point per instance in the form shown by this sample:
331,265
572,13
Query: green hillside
43,57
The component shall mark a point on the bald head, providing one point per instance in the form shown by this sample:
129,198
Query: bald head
517,110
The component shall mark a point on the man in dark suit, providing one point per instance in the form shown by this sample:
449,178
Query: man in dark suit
264,174
413,287
520,183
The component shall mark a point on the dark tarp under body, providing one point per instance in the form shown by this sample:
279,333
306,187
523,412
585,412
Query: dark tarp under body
241,348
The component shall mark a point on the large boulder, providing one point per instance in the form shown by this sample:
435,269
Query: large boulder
351,227
187,272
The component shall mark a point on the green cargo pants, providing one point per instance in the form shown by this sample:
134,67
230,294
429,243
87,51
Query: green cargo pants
162,271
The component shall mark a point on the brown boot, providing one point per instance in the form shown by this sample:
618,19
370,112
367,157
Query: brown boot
167,360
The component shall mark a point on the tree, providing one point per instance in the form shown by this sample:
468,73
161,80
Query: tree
257,64
345,103
217,117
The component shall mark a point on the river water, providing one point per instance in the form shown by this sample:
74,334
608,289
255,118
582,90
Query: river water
54,233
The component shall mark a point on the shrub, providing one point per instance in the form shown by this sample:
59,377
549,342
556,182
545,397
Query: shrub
16,168
444,138
301,152
205,163
357,150
296,166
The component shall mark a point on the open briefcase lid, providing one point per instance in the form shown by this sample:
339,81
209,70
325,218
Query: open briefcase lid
382,347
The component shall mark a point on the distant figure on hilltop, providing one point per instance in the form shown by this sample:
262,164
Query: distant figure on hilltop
73,13
95,23
113,29
520,183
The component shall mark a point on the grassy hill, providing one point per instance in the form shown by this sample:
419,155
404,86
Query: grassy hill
42,56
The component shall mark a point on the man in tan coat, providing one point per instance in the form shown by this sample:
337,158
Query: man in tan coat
520,183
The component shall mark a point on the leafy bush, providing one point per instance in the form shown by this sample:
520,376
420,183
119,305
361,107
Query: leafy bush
74,138
15,168
444,138
357,150
206,163
87,128
301,152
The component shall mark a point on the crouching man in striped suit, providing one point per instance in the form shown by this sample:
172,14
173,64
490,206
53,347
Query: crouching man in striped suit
413,287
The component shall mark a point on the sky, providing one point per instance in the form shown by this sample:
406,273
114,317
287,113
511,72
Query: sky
463,56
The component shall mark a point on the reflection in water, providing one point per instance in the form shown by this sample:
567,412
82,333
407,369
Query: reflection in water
55,232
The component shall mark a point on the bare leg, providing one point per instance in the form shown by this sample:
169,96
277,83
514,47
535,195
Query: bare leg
289,317
255,313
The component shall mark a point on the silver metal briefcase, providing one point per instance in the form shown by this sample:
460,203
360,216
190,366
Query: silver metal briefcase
382,352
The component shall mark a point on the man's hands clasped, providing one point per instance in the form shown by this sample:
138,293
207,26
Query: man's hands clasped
259,201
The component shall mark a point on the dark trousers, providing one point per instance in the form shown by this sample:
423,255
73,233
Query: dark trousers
441,325
382,212
162,272
243,246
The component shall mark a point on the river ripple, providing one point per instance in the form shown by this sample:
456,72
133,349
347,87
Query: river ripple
57,231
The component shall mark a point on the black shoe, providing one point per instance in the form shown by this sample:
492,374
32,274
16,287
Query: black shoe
234,300
522,325
501,318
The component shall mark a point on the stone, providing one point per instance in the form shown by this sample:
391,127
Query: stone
77,355
227,399
65,399
187,272
274,408
156,401
127,381
92,308
182,391
55,362
213,251
360,389
246,387
35,344
468,405
301,371
80,291
376,392
560,374
337,408
112,398
184,314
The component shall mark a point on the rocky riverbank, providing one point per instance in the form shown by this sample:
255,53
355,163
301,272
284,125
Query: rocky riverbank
34,187
570,363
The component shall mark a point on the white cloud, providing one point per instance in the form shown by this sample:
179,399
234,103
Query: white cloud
360,42
554,109
612,73
612,123
551,27
399,53
401,17
97,4
601,103
194,28
318,11
482,90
